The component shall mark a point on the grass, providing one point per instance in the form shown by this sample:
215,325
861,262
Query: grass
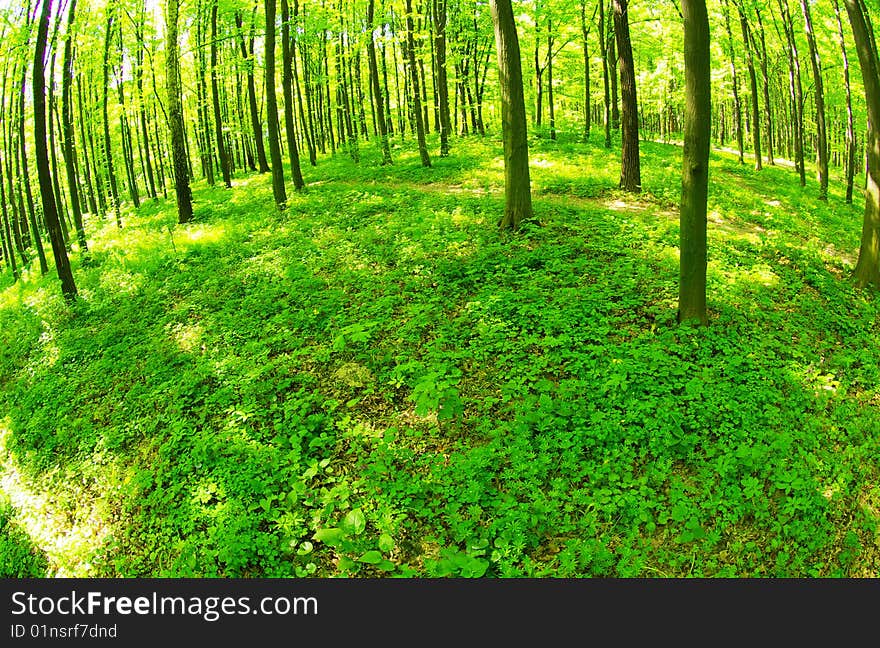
377,383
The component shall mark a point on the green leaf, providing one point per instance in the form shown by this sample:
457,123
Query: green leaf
386,542
355,522
371,557
331,536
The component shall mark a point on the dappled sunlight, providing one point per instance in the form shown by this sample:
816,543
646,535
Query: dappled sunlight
188,337
67,526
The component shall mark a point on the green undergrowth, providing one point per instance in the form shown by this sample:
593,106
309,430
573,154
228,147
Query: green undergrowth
378,383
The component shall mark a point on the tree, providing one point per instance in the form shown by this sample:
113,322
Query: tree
287,92
381,123
439,15
517,183
47,194
414,75
819,95
272,109
695,163
867,271
175,115
68,133
630,166
215,101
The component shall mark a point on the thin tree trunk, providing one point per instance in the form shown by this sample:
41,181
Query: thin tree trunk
108,145
604,47
278,189
819,96
850,155
68,136
376,86
737,105
215,100
287,91
416,100
753,84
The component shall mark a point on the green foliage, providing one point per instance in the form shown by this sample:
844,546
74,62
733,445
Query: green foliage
377,384
19,558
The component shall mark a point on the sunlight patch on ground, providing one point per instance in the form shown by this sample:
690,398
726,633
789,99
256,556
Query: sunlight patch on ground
188,337
69,536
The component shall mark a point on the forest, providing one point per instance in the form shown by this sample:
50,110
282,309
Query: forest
439,288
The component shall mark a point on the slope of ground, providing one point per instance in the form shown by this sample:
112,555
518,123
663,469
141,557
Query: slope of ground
378,383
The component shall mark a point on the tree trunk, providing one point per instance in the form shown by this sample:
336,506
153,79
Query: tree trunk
517,183
278,189
867,271
603,46
67,127
695,163
439,11
737,105
47,195
108,145
850,155
414,75
768,113
819,95
175,115
753,84
215,101
247,53
287,92
630,171
381,124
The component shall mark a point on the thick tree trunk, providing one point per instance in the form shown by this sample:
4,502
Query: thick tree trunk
517,182
695,163
175,115
630,168
47,195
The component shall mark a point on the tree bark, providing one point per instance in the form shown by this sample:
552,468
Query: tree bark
850,155
867,271
819,95
68,132
439,13
222,153
603,46
278,189
381,124
753,84
287,92
517,182
695,163
416,100
175,115
47,195
630,168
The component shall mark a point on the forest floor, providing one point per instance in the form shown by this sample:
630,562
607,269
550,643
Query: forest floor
378,383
